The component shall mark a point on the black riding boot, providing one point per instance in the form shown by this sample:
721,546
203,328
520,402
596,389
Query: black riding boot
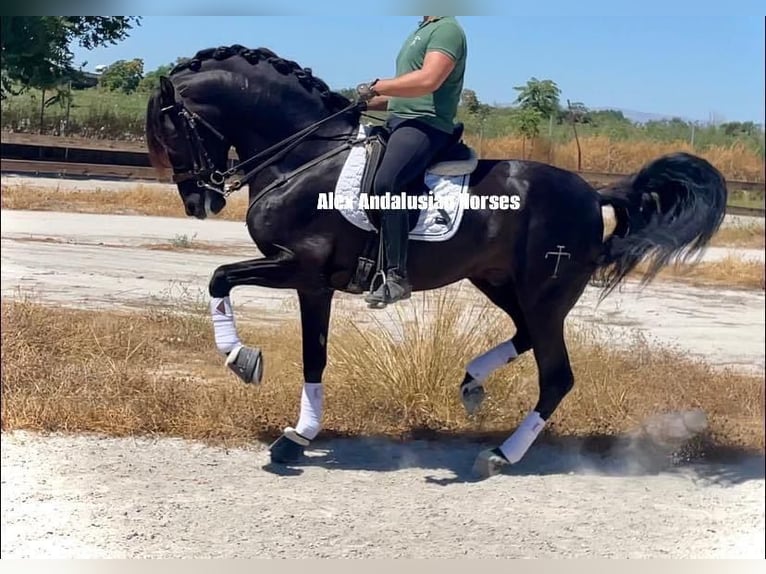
395,226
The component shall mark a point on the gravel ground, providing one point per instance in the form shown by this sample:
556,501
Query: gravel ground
90,497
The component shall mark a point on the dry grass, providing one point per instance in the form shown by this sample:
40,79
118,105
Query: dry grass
157,372
732,271
602,154
750,236
138,200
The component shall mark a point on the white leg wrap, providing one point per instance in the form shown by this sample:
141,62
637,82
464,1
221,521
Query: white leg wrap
225,330
519,442
483,365
310,421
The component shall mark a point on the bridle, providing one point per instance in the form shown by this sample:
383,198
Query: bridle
203,169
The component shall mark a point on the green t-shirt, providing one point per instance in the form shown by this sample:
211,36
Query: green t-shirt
439,108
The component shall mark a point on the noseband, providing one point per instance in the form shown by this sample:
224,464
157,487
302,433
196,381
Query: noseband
203,170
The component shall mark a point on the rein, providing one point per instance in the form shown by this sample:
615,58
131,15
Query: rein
204,171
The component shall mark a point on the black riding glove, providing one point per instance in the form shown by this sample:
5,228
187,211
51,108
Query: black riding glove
366,92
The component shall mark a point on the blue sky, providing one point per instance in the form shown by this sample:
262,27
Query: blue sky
652,56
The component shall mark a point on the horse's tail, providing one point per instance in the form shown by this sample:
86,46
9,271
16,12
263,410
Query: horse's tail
671,208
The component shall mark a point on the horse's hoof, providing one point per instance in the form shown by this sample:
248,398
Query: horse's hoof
472,397
288,448
489,463
247,364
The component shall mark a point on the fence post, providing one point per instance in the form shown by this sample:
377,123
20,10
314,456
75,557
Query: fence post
692,138
42,110
68,105
550,139
481,137
609,155
577,139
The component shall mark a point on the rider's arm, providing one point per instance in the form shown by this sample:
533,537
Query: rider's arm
437,66
446,46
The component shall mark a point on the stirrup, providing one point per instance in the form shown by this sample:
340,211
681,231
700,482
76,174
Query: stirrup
383,296
373,301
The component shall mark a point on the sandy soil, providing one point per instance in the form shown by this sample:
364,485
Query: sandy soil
101,261
91,497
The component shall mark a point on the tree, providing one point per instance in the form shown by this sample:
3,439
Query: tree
476,110
539,95
527,122
123,75
474,107
35,50
578,113
740,128
151,79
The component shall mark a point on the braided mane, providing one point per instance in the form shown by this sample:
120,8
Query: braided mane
333,100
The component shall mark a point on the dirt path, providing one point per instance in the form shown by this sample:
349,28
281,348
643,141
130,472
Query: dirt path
74,259
89,497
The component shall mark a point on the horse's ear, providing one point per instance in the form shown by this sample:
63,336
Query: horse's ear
167,91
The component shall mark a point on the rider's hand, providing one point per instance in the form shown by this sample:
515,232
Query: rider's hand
366,91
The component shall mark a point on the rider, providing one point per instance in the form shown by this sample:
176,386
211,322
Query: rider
422,102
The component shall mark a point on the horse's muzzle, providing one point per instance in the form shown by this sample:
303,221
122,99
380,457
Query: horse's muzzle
195,207
204,204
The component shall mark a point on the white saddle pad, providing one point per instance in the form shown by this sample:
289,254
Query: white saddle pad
439,219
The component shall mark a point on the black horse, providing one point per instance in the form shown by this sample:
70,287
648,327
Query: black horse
292,135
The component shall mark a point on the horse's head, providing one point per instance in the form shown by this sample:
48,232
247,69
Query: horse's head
181,136
249,99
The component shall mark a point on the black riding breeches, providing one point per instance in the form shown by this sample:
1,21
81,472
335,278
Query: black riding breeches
412,147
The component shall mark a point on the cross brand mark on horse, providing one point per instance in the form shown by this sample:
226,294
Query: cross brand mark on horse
559,254
295,135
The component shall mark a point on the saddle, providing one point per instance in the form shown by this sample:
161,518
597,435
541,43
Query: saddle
455,159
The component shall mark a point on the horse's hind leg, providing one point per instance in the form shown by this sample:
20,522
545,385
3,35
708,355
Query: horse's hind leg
480,367
315,320
555,379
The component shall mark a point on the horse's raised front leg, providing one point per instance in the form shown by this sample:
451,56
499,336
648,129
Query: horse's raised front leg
277,272
315,320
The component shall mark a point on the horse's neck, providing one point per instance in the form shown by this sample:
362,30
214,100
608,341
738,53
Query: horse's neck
326,138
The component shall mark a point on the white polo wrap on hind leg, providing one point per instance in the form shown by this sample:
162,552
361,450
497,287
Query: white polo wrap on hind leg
310,421
483,365
519,442
224,328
